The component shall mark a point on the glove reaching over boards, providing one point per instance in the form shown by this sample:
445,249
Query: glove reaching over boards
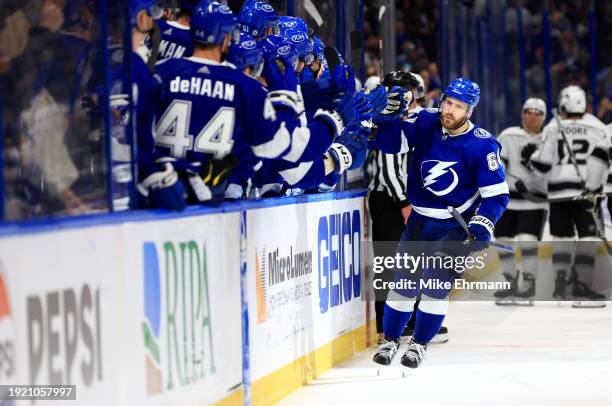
378,99
208,182
349,150
162,187
398,101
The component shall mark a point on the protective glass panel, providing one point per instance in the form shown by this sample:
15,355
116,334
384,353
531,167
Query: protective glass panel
603,57
321,17
54,147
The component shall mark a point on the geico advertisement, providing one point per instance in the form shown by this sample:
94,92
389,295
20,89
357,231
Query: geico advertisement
185,336
304,274
58,311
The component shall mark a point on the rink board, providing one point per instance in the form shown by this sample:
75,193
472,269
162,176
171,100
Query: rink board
304,290
110,309
145,307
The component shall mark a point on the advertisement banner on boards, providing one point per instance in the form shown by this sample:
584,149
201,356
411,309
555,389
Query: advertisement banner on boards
60,315
185,335
304,279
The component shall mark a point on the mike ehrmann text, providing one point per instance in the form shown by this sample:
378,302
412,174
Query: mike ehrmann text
435,284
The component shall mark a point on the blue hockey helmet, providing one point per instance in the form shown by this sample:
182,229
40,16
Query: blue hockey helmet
153,7
211,22
247,52
276,46
256,17
286,23
302,44
318,48
464,90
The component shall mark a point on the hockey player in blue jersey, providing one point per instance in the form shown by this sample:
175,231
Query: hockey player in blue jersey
455,163
175,35
258,19
293,23
320,128
206,106
303,45
158,181
247,56
319,65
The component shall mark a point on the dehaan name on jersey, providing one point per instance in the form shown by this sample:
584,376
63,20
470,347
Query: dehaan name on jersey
203,87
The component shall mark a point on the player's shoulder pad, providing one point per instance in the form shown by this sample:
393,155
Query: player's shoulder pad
483,140
482,133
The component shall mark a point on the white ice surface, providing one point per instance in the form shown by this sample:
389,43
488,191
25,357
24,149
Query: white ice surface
541,355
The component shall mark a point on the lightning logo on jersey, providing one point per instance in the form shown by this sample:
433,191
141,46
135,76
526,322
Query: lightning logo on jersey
441,174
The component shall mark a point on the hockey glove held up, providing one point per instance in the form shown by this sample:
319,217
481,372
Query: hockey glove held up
397,103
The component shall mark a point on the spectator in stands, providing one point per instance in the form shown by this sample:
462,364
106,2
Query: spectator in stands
37,121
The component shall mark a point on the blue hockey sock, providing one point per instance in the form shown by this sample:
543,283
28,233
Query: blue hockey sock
427,325
394,322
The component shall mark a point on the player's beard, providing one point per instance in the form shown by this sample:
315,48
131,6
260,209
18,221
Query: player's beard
453,124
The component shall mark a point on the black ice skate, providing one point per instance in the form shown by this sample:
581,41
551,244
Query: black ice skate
441,337
585,297
386,352
505,297
560,285
414,355
524,297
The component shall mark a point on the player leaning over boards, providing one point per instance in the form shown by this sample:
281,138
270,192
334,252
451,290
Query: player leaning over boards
454,163
524,220
584,132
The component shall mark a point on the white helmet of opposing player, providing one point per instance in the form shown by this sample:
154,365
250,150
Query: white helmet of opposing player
533,103
572,100
372,82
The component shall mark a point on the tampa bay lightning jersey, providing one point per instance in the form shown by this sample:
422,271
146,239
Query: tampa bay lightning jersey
458,171
175,40
205,106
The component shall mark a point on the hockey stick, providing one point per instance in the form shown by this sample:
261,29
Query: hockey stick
381,14
356,41
465,227
332,57
532,197
542,198
570,152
